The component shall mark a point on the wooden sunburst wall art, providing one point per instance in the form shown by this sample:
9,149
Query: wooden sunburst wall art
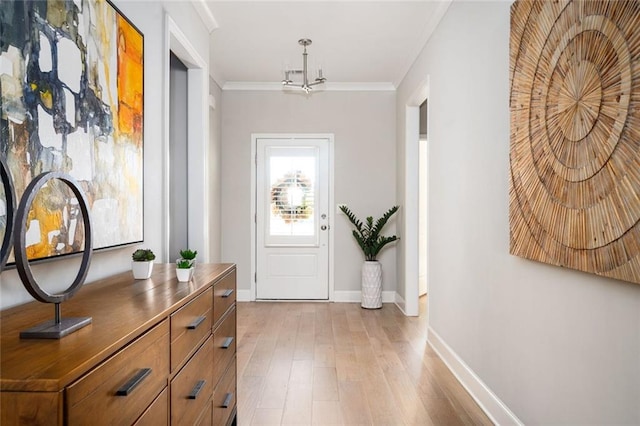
575,135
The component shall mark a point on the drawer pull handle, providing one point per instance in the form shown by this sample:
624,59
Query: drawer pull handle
133,382
227,342
227,293
196,323
196,390
227,400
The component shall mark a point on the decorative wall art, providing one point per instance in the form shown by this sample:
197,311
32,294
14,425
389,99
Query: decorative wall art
575,135
71,101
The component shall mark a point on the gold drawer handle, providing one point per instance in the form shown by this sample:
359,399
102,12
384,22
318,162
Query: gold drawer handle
133,382
196,323
196,390
227,293
227,400
228,341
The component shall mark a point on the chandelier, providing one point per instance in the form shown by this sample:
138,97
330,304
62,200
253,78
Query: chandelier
305,85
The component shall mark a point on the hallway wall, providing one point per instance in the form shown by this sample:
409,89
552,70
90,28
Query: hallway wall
215,173
557,346
364,127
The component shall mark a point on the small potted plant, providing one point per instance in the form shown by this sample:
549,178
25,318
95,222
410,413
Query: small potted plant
371,242
142,263
186,264
188,254
184,270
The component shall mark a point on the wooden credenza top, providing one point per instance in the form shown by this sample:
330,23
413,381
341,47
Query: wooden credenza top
51,365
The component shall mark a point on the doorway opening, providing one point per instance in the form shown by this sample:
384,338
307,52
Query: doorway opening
423,183
178,136
415,256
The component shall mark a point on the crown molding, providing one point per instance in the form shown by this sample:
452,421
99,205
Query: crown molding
429,28
205,14
328,87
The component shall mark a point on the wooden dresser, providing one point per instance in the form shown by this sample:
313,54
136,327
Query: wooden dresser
157,352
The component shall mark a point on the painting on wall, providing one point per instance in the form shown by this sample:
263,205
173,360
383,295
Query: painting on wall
575,135
71,100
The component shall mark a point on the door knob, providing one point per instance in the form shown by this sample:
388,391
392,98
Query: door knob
323,227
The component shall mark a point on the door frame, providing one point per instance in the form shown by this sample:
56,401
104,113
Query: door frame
198,209
254,249
411,197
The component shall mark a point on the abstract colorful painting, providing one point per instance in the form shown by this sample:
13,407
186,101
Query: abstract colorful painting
575,135
71,100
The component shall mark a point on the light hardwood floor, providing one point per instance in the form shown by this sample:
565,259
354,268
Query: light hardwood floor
336,363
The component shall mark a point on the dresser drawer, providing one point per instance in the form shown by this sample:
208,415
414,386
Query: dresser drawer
224,295
192,387
224,398
224,343
158,412
206,419
121,388
190,325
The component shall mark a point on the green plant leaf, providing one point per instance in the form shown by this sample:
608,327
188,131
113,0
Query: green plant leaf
143,255
188,254
184,264
367,234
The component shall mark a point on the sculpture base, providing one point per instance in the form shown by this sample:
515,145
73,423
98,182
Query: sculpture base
51,330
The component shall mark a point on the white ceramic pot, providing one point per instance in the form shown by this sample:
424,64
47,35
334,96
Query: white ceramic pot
142,270
184,275
371,285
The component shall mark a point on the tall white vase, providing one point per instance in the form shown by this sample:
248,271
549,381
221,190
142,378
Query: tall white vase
371,285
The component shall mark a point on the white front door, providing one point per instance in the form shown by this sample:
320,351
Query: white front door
292,237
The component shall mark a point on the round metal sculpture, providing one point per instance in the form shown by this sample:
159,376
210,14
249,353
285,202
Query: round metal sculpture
575,143
58,327
10,201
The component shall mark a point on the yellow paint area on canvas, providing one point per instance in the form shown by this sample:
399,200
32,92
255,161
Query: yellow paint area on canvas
49,220
50,209
47,98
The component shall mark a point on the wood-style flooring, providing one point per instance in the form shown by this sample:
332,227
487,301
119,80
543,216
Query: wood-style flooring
339,364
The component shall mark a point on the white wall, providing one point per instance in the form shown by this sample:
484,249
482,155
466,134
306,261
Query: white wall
215,173
149,17
364,128
556,346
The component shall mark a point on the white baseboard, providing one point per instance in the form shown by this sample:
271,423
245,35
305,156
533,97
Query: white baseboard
400,303
243,295
495,409
354,296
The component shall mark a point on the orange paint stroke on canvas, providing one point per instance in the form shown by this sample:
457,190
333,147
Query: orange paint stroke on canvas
130,81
